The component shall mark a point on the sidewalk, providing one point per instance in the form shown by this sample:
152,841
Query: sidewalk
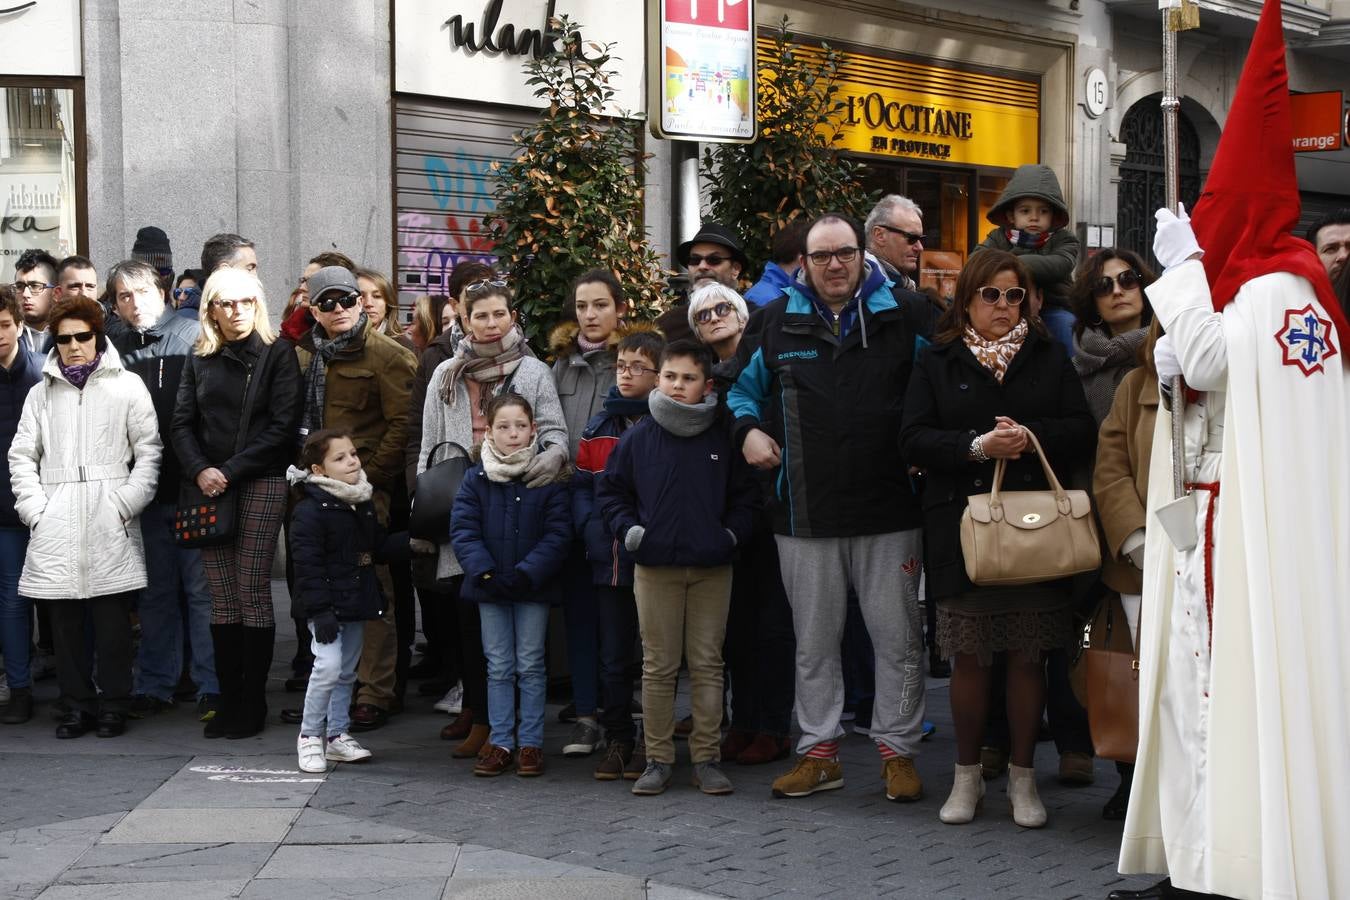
148,813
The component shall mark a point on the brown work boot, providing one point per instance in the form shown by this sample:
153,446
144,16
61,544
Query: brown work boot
529,762
477,739
637,763
764,749
808,776
458,730
616,758
492,761
734,744
902,782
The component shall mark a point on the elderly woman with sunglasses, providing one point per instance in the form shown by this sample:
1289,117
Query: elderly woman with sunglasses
83,465
992,376
1112,316
239,382
717,317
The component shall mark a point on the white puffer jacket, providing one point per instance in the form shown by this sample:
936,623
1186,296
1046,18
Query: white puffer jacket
83,464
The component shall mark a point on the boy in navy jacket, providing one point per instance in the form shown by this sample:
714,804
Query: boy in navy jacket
681,498
611,564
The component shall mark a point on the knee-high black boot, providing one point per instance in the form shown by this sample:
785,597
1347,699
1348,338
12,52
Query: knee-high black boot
228,643
257,659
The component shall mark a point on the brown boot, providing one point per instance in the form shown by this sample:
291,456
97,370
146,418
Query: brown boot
764,749
735,743
478,736
458,730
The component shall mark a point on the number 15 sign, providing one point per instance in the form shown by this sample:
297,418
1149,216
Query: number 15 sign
702,69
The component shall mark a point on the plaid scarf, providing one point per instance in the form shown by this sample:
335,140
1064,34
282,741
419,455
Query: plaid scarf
485,363
995,355
1027,239
316,376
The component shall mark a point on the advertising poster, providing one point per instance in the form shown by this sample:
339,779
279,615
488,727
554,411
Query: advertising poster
704,70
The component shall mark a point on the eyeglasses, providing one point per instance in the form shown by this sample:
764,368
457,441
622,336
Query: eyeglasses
712,259
911,236
80,337
843,254
329,303
184,293
637,369
229,306
34,286
991,295
483,284
717,311
1128,281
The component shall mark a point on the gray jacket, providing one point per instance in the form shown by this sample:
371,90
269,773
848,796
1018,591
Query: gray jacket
583,379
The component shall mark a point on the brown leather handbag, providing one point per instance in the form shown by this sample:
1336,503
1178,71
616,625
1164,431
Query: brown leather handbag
1111,679
1026,537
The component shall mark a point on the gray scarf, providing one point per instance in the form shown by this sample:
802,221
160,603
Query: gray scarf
316,376
1102,362
351,494
683,419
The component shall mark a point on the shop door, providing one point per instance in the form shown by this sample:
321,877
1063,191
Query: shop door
1142,182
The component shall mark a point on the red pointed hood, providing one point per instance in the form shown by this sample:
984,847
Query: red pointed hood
1249,208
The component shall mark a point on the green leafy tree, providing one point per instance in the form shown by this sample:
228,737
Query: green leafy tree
794,168
571,199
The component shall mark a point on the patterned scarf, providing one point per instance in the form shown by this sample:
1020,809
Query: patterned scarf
586,346
1102,362
1027,239
510,467
995,355
78,375
316,376
485,363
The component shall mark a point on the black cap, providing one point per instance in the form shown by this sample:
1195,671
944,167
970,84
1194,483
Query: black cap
152,246
713,233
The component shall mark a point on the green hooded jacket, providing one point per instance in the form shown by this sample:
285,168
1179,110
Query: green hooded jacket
1052,265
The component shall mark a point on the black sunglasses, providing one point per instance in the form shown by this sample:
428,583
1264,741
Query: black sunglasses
718,311
712,259
328,303
912,236
1128,281
82,337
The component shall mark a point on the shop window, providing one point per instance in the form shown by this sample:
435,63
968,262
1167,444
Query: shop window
41,177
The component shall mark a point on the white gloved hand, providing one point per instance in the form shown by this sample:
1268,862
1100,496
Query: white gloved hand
421,547
546,466
1174,241
1165,360
633,538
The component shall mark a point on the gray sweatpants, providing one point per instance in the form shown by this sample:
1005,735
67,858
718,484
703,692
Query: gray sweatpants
883,570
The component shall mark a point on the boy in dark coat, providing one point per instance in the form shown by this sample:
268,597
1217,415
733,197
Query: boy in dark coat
682,499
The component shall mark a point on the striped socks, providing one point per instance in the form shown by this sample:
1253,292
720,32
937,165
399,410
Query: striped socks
824,750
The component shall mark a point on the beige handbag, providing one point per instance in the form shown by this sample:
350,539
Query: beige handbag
1026,537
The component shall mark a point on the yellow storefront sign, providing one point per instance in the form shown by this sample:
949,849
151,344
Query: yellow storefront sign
919,111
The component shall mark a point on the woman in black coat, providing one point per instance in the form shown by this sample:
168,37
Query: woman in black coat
992,375
235,428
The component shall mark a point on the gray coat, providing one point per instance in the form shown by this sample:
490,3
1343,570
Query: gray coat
583,379
443,422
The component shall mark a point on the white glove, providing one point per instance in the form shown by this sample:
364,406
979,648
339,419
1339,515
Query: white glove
546,466
421,547
1174,241
633,539
1165,360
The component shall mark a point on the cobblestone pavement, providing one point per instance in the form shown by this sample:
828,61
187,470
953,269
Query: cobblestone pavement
141,814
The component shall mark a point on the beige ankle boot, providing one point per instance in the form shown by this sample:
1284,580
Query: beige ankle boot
966,796
1026,803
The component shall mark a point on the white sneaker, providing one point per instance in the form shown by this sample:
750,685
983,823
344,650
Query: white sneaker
453,701
310,752
344,748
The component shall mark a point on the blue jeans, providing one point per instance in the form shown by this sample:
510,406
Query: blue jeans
1059,321
168,568
513,642
15,611
329,695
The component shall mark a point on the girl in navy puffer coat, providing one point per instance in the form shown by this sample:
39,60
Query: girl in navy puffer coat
511,541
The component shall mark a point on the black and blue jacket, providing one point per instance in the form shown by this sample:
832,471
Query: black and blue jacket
830,392
611,563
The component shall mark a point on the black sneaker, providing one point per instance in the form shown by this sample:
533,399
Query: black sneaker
584,739
143,705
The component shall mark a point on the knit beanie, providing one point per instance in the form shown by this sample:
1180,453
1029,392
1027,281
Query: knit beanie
152,246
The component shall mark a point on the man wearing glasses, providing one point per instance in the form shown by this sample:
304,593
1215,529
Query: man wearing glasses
155,343
818,404
34,280
895,237
360,380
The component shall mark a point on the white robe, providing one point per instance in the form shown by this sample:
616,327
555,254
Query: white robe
1245,791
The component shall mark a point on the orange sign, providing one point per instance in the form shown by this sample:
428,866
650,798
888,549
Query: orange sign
1317,121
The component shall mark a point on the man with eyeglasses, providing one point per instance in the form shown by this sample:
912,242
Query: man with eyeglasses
714,254
155,343
34,280
818,404
360,381
895,236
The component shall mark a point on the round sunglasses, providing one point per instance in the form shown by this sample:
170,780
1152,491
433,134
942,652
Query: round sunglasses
1128,281
991,295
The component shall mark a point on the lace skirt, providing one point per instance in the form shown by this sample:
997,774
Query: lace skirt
1027,621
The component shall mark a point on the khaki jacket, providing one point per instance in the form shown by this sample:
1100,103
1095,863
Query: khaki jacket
367,392
1120,480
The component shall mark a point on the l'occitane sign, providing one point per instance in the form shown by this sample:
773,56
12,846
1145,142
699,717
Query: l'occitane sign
920,111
